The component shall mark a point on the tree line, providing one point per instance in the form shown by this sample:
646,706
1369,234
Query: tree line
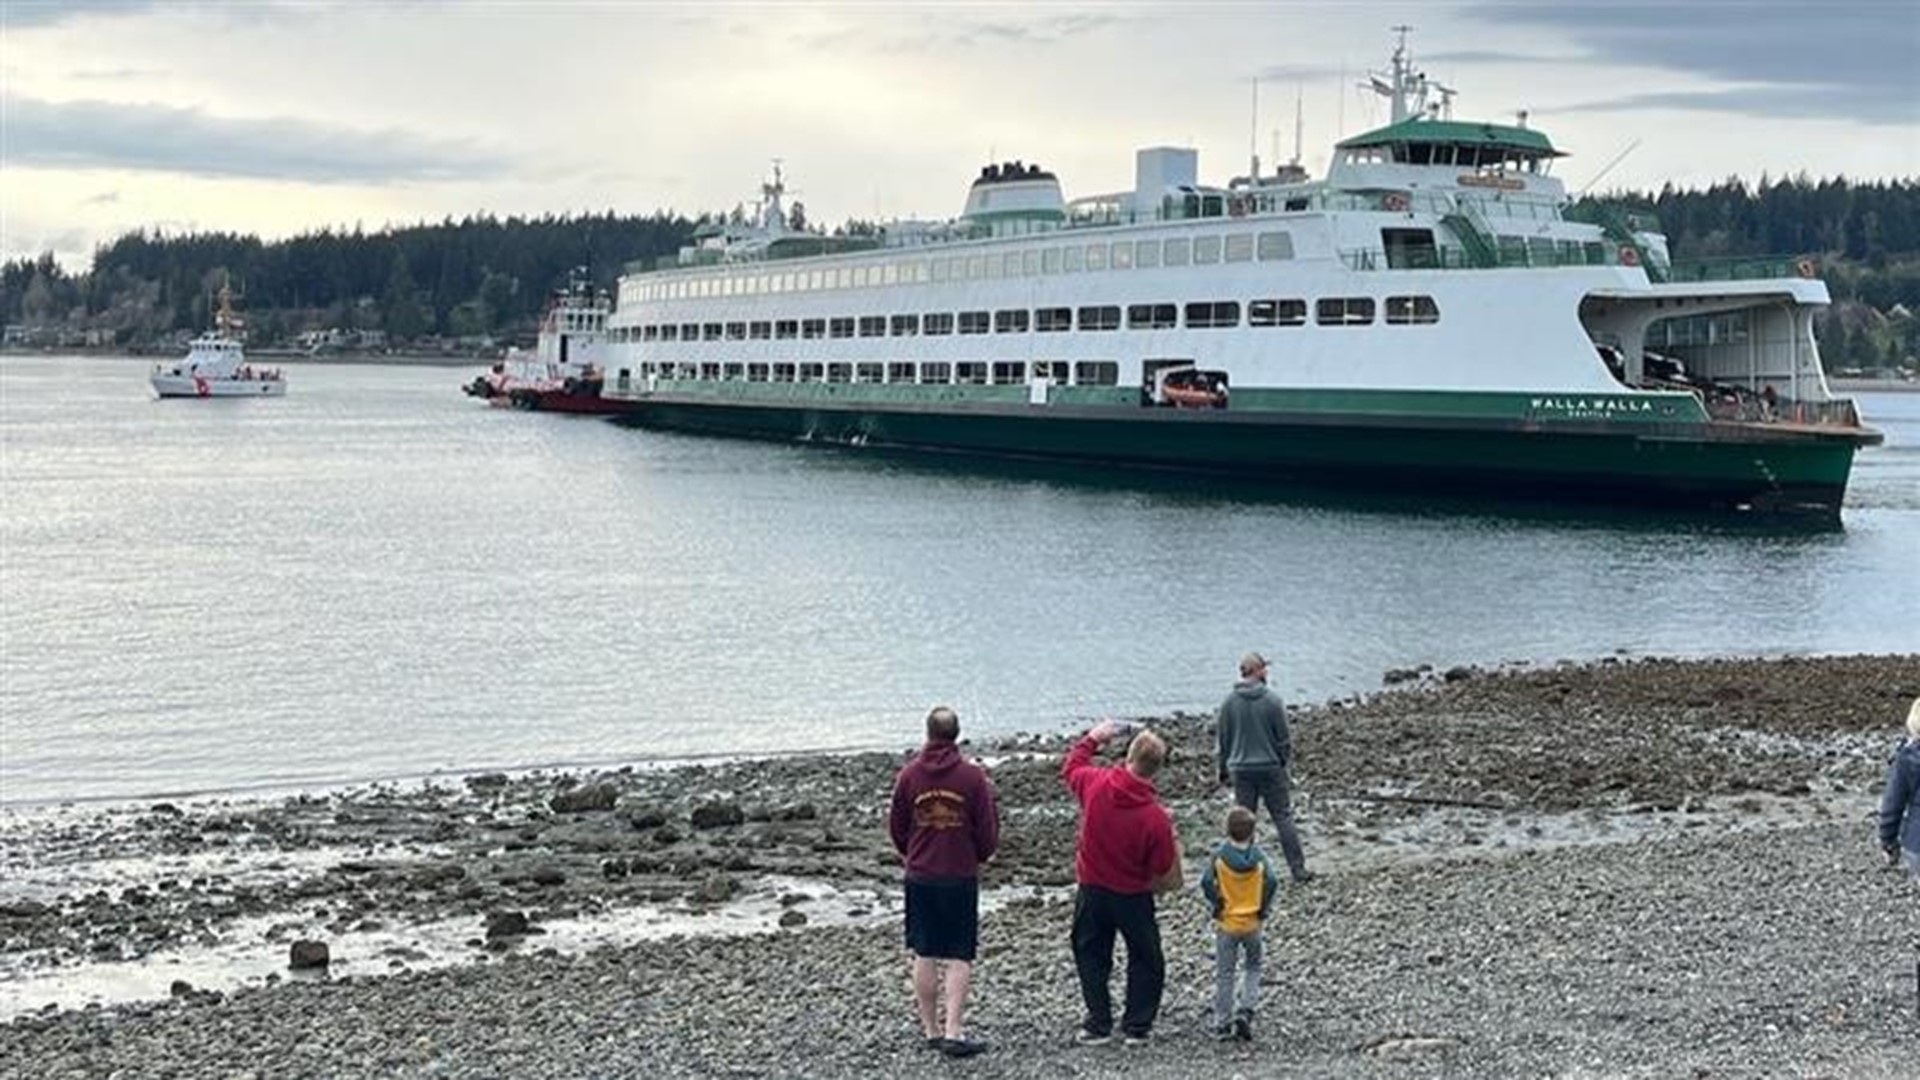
485,276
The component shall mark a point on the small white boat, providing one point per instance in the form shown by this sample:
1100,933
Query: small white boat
216,365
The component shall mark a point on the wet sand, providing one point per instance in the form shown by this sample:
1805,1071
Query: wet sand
1653,868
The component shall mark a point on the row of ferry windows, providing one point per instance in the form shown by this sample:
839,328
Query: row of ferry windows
1119,255
931,372
1199,315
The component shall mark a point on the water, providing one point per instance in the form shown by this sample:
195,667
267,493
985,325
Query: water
377,577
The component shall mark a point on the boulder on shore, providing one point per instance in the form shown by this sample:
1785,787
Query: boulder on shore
308,955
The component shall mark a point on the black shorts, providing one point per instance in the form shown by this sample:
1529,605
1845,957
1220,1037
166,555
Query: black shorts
943,918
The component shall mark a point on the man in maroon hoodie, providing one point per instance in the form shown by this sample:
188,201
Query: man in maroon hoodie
1126,853
945,822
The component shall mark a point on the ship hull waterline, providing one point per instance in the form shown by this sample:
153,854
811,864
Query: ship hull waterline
1695,466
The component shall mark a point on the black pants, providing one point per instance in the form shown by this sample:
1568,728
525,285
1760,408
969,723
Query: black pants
1098,914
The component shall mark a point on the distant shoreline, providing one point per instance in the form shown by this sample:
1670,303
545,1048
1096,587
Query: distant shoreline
270,358
1877,386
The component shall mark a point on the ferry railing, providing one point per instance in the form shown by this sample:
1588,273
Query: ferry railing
1740,268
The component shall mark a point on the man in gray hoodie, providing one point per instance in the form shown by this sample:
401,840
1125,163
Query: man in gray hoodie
1256,750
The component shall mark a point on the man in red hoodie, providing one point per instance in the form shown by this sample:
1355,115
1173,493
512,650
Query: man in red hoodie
1126,852
945,822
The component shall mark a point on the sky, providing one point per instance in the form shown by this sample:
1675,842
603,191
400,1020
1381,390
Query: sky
278,117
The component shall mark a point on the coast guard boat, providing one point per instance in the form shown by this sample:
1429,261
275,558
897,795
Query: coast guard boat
1436,313
216,364
565,371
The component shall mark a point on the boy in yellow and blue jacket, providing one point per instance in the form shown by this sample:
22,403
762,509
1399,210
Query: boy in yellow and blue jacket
1240,884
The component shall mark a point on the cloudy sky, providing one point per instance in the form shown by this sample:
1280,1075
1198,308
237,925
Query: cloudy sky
283,116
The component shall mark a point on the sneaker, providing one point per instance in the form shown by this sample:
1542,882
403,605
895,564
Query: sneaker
935,1042
1304,876
1138,1039
1223,1032
1093,1038
1243,1028
962,1048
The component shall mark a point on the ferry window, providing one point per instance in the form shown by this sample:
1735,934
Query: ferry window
1106,317
1048,320
889,274
813,328
1009,373
1050,261
1277,313
937,322
1206,249
813,372
1402,310
1215,314
840,327
839,373
690,331
842,277
1096,256
1030,263
936,371
786,329
1072,259
957,268
1567,253
686,371
1058,370
1275,245
1344,311
1011,266
1513,251
970,372
976,268
973,322
736,331
1179,251
710,332
860,274
1096,373
816,279
993,266
783,373
906,325
1122,257
873,326
710,372
756,373
1152,316
869,372
734,372
1146,253
650,332
1240,247
939,267
1011,321
670,332
1596,253
900,371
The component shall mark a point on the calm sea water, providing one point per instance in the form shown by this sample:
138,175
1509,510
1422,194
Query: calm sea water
377,577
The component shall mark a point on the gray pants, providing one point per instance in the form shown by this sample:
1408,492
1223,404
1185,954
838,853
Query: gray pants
1273,785
1229,949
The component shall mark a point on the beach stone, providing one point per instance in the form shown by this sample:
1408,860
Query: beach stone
548,874
1395,676
492,781
800,811
646,817
716,815
791,918
23,909
438,874
306,955
1458,673
506,924
715,889
595,796
179,988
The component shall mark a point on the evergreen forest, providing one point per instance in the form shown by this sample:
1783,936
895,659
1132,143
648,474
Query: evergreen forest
469,285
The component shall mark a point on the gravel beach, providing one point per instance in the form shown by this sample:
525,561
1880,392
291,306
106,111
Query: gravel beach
1652,868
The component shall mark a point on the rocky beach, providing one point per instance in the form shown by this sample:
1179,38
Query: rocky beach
1649,868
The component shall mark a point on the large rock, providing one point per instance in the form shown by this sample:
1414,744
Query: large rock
718,815
599,795
308,955
715,889
506,924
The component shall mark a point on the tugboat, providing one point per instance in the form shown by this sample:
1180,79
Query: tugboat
216,365
565,371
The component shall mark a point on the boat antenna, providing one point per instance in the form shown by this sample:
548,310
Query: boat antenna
1253,134
1617,159
1299,128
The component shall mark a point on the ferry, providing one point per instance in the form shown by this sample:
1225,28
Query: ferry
565,371
216,364
1436,313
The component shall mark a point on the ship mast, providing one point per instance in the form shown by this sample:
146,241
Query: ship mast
1407,90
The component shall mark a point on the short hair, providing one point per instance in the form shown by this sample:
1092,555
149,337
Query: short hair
943,724
1251,663
1145,754
1240,824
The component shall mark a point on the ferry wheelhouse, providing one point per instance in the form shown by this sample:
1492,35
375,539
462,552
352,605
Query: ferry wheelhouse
1436,312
